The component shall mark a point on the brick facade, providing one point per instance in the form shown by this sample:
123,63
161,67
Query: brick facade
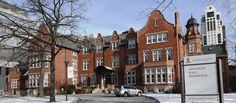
149,58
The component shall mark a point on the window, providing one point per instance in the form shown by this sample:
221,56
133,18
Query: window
45,81
99,62
48,57
132,59
115,46
35,62
13,84
158,75
169,54
218,17
131,44
155,22
85,64
149,39
33,80
169,73
93,80
131,79
145,56
7,70
74,80
84,80
156,55
192,47
156,38
99,48
74,53
85,50
115,62
74,64
204,40
210,14
219,38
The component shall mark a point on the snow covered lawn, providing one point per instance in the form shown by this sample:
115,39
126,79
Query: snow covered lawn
31,99
176,98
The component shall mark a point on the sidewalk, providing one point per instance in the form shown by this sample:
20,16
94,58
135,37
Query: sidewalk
33,99
176,98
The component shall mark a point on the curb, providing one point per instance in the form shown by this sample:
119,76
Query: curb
157,101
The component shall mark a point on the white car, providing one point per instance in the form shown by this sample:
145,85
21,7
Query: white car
127,90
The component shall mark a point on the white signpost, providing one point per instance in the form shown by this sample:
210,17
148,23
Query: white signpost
200,79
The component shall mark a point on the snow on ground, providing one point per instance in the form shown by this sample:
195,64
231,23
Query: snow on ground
176,98
32,99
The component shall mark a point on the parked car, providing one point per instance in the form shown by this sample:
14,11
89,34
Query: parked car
127,90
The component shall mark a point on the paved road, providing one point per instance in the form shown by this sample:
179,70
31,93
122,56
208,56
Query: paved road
110,98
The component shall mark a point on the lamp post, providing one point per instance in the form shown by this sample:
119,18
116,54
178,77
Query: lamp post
66,74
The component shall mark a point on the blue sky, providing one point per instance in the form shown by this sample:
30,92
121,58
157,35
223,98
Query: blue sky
105,16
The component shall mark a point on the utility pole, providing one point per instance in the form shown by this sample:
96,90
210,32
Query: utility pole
66,75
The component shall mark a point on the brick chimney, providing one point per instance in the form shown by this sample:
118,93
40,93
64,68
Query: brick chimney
177,23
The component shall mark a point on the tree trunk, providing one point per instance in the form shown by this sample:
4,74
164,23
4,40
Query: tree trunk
41,79
52,71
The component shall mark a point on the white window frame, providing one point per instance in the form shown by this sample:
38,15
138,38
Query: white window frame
169,54
85,64
74,80
99,61
74,63
99,48
156,38
74,53
131,44
33,80
14,83
48,57
85,50
115,46
156,55
157,75
145,56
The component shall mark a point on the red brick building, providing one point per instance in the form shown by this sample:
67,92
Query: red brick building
148,59
38,61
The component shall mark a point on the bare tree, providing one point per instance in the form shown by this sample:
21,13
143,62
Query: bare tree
56,15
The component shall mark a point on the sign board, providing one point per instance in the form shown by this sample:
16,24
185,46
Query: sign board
200,79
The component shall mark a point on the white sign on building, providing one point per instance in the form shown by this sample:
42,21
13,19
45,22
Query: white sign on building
200,79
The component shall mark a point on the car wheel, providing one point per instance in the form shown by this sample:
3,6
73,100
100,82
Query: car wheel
118,95
125,94
139,94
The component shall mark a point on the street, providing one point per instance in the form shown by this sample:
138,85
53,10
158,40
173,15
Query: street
111,98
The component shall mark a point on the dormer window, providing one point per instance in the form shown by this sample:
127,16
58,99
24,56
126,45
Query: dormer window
115,46
131,44
99,48
85,50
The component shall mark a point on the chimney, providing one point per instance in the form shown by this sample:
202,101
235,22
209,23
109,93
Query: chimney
176,18
177,23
